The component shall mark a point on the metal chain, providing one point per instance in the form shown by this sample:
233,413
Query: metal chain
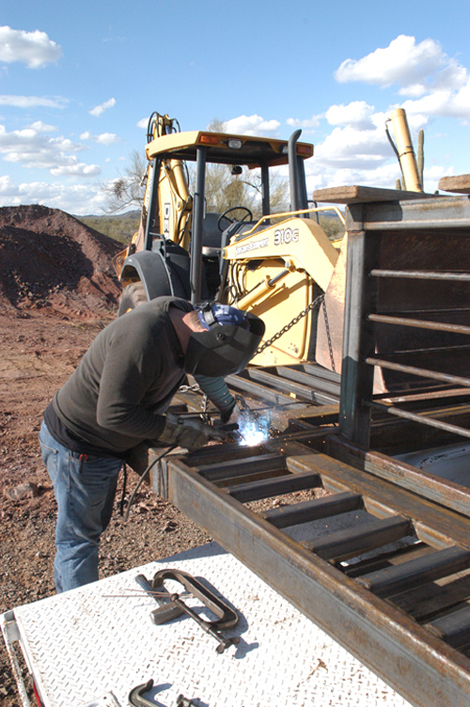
196,388
313,305
328,335
204,406
189,388
309,308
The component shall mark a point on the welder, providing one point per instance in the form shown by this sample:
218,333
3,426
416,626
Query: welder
118,397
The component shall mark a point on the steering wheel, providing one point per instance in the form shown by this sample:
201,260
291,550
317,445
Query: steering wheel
247,217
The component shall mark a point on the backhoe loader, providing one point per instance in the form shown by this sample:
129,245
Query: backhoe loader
274,266
277,266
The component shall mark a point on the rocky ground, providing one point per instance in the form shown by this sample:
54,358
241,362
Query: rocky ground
57,290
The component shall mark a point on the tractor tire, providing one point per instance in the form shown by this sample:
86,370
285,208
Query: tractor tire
132,296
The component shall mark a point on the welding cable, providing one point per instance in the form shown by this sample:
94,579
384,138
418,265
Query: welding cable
142,478
123,493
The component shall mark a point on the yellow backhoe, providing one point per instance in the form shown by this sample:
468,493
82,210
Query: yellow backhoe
277,265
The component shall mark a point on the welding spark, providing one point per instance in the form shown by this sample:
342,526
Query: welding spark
253,430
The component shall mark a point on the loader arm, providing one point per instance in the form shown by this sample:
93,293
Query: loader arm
300,241
276,272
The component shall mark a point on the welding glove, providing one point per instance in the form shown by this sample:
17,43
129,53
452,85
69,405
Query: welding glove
235,415
187,433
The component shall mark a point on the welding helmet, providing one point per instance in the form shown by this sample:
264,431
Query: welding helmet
229,341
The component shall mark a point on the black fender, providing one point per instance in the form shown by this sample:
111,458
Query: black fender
163,271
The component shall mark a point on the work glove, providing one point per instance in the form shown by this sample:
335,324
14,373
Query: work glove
235,415
188,433
238,412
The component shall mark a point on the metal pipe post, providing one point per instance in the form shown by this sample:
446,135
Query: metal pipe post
196,239
357,377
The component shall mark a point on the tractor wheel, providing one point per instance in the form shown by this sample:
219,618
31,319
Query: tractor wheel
132,296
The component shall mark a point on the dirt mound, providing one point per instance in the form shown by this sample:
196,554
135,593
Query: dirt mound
52,260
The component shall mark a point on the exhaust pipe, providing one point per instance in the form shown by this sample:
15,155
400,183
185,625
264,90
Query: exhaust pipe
298,192
405,151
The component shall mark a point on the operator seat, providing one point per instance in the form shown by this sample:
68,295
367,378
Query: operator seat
212,235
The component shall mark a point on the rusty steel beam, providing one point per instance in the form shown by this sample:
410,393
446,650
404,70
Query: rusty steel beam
380,635
419,323
344,544
313,510
313,382
439,214
415,573
434,523
257,490
303,390
257,390
422,275
414,370
422,419
400,473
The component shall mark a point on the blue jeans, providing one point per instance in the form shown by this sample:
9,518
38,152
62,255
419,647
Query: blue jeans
84,489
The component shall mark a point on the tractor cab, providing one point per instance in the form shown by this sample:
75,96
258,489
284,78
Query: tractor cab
179,246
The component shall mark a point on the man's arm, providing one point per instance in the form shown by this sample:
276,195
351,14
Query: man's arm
126,377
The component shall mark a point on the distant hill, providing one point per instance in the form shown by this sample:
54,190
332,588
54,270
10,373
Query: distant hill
124,215
121,227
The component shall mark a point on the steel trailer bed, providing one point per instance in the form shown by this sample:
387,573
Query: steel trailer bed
393,586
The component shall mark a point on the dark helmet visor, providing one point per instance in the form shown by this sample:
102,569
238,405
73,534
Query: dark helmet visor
224,349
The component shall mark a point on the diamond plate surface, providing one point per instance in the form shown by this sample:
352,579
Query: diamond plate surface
100,640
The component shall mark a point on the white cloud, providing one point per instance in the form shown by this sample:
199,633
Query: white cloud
143,123
349,147
7,186
444,103
76,169
99,110
34,149
252,125
107,139
417,68
308,124
320,176
352,155
72,198
103,139
435,84
34,49
41,127
357,113
32,102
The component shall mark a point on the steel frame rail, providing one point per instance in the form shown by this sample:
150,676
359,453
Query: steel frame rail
360,612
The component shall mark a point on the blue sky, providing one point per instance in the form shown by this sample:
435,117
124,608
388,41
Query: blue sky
78,81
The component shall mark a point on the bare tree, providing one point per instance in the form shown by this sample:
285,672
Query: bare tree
129,188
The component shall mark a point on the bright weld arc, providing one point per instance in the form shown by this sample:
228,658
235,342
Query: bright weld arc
253,431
